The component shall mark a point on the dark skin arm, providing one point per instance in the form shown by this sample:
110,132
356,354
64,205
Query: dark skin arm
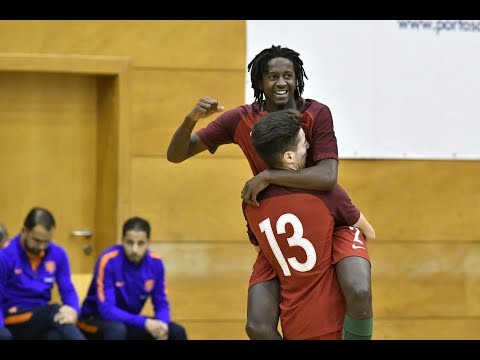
185,145
322,176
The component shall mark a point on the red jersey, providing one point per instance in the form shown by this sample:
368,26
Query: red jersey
294,229
234,127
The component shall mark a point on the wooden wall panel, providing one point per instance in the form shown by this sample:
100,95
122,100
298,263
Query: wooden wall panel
197,200
416,200
446,328
425,279
215,330
175,44
213,277
161,100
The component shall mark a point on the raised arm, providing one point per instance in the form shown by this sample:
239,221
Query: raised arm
322,177
184,144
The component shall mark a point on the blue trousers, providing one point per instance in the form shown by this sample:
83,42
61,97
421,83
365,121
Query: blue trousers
40,325
96,328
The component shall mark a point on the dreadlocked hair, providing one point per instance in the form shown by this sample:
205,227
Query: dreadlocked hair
259,65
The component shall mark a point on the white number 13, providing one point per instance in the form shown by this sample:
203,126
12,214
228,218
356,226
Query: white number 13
295,240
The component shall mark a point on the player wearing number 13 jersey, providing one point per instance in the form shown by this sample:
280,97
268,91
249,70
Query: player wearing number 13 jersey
277,78
294,229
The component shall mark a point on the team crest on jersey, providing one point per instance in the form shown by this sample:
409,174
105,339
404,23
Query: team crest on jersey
149,285
50,266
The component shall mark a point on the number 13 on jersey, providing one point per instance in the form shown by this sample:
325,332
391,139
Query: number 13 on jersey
296,239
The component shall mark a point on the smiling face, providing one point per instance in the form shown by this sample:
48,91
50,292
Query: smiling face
278,84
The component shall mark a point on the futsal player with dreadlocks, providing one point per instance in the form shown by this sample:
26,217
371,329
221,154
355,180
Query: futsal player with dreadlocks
277,78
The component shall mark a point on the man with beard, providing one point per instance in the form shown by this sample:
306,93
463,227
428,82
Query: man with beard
30,264
125,276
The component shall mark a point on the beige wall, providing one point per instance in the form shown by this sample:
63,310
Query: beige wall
426,256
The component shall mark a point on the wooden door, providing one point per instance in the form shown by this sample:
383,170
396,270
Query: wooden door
48,150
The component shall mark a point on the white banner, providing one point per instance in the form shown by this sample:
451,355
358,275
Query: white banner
397,89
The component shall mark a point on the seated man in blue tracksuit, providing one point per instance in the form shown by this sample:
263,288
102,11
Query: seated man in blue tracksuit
125,276
30,264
